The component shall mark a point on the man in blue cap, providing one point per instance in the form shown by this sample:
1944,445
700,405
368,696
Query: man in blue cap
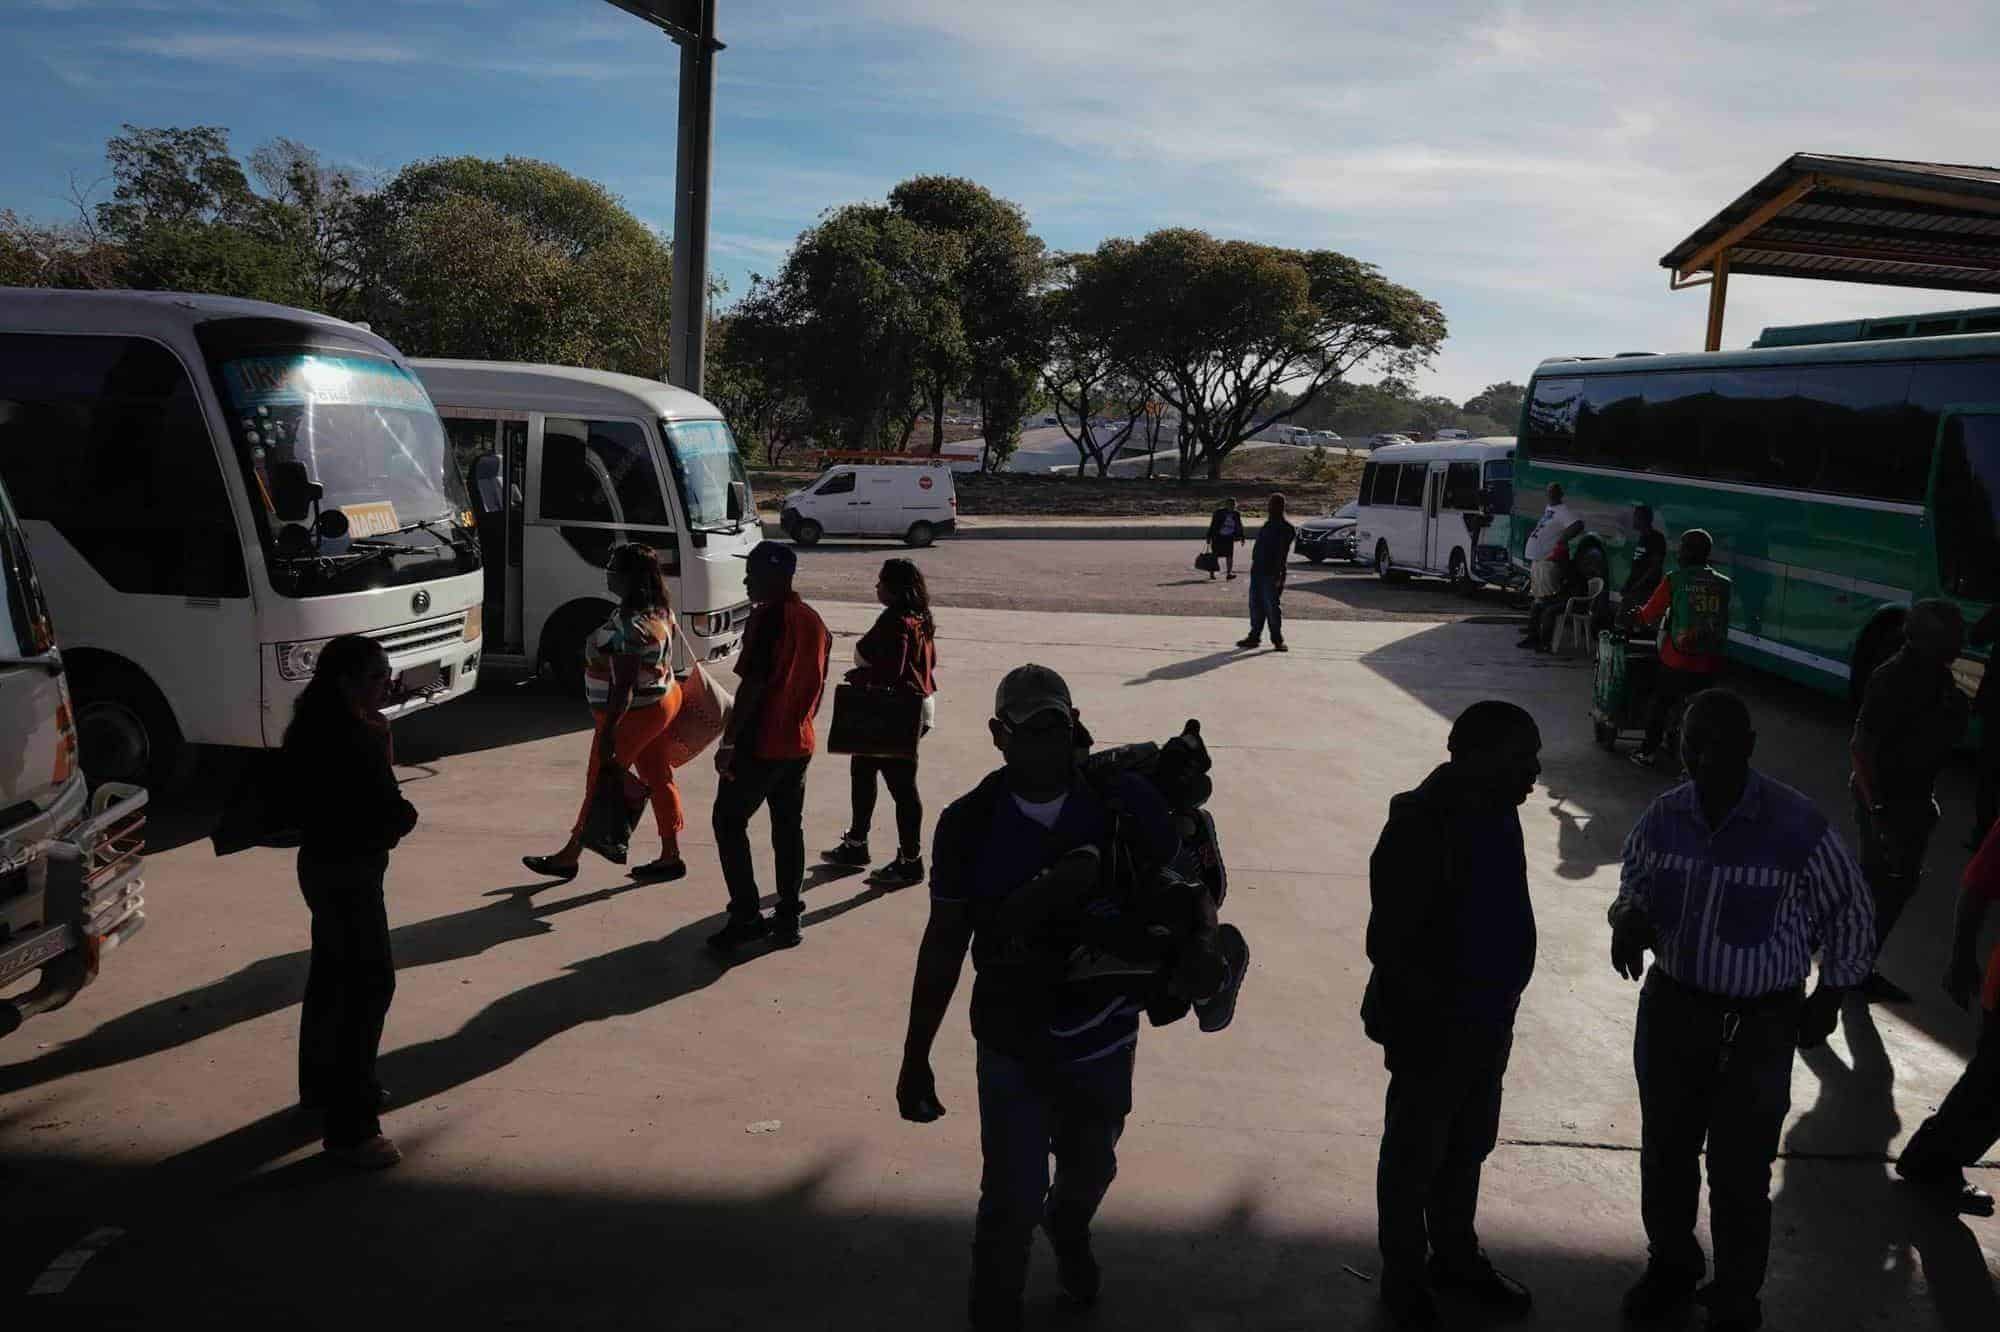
766,746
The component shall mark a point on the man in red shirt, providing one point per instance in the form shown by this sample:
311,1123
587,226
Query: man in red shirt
766,746
1694,601
1967,1125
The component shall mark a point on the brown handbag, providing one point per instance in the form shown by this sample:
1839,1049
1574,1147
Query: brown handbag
875,722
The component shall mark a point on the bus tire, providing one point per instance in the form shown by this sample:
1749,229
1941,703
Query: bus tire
1384,569
1461,577
920,535
125,731
1878,643
808,533
563,638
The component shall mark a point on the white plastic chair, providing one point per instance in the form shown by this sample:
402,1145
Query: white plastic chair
1575,619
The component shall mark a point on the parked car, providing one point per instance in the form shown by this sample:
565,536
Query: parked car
1330,537
916,501
1452,432
1326,437
69,858
1387,438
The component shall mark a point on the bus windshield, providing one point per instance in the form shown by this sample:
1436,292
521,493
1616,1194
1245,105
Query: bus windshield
705,462
366,431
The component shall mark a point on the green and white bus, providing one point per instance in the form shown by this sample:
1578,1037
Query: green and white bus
1841,481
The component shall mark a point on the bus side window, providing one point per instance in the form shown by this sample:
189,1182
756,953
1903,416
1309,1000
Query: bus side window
1967,504
102,437
1461,486
1367,492
599,472
1410,486
1384,493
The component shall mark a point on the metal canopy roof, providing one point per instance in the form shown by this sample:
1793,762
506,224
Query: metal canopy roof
1851,219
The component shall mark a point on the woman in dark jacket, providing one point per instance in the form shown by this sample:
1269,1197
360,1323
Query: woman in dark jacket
899,652
1225,532
351,815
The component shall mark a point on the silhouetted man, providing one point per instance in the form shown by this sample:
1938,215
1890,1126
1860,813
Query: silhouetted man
1731,879
1269,556
1451,934
1912,715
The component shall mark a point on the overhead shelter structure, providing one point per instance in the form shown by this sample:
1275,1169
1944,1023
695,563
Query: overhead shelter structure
1850,219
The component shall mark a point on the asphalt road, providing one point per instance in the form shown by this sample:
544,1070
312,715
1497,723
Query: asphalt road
1129,578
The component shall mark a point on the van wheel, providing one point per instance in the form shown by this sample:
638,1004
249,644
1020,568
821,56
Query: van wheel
125,732
920,535
809,532
1461,577
1383,569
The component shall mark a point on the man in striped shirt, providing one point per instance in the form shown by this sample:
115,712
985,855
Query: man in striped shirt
1731,879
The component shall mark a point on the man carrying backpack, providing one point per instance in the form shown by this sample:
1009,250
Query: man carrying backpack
1694,599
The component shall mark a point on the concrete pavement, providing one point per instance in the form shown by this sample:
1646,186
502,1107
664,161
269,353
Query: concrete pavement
606,1129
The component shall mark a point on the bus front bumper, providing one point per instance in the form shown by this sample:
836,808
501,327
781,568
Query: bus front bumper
433,672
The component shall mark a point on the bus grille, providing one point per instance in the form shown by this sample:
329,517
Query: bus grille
417,637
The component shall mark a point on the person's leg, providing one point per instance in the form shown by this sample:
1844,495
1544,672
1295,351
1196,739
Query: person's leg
1453,1203
1256,608
654,766
900,775
1898,838
786,791
1015,1120
1229,559
737,797
1674,1094
323,985
861,772
1416,1132
361,925
1274,610
1090,1109
1967,1125
1753,1095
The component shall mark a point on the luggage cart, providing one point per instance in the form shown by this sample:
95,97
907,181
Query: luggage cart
1627,670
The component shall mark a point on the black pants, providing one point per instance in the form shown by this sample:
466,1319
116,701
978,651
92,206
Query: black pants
1893,845
900,776
348,988
1439,1126
1670,688
781,782
1691,1092
1967,1125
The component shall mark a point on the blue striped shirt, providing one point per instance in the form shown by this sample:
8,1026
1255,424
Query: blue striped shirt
1739,911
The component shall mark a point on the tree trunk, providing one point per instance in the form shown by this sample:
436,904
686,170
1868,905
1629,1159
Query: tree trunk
937,419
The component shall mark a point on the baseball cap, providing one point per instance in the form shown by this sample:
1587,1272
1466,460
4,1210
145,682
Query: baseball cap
774,556
1027,691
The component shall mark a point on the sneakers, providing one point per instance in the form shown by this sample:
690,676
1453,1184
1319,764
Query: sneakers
1945,1186
1215,1013
784,929
1249,642
902,872
1077,1271
1484,1285
1278,645
849,852
1659,1292
739,931
377,1153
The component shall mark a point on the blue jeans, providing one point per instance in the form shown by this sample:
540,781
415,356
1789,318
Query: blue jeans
1028,1111
1265,591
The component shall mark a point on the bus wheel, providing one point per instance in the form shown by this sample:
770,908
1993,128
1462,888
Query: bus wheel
1384,570
125,732
920,535
1461,580
563,642
808,533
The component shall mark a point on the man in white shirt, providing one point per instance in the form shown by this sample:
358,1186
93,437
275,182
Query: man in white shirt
1545,572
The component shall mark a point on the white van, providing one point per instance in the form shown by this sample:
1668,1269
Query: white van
69,886
564,463
1430,509
914,500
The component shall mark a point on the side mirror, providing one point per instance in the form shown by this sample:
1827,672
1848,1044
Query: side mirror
739,501
293,491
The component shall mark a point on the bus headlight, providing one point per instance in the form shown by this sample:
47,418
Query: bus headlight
709,624
475,622
297,660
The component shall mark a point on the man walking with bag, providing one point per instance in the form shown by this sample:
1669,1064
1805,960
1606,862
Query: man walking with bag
766,746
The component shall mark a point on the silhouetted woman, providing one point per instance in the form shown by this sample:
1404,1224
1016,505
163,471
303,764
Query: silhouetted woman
629,680
899,652
339,760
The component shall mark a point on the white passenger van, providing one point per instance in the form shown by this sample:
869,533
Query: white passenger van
1431,509
912,498
563,464
212,489
69,865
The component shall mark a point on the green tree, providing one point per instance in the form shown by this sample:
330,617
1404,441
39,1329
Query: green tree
185,218
754,374
1216,327
1498,403
41,255
309,211
1082,373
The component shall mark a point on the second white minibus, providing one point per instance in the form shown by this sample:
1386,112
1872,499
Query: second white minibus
565,463
1438,509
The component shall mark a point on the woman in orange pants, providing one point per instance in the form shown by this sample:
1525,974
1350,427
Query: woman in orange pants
629,681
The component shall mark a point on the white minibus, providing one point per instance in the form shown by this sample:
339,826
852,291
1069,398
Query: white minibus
1430,509
565,463
213,488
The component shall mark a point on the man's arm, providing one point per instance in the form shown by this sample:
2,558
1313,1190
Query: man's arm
1630,915
1656,605
1844,910
1404,880
1865,746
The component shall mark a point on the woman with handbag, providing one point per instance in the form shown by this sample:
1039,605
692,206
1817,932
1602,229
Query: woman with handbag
339,769
899,652
1225,532
629,681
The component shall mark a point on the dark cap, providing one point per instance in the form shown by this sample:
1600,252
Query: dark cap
1027,691
774,556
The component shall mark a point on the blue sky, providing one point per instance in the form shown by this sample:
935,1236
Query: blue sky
1524,164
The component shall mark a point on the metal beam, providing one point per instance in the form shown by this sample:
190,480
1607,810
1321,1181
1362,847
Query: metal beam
688,328
1718,298
1988,261
1963,203
1777,204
